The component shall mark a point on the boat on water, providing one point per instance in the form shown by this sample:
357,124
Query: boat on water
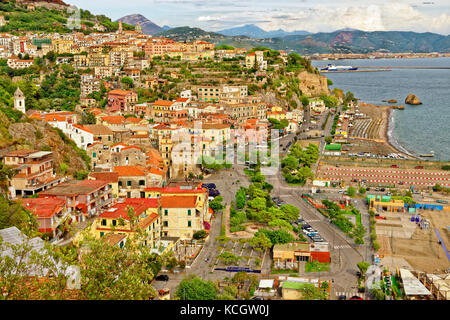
331,67
427,155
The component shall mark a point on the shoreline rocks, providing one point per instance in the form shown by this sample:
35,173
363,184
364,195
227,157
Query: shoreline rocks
412,99
392,101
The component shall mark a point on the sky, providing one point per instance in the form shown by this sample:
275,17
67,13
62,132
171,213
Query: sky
289,15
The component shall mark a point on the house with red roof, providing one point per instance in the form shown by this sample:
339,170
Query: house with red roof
123,220
50,213
86,198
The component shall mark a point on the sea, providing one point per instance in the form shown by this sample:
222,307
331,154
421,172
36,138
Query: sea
417,129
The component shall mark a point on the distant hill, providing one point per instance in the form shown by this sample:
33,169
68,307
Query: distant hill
352,41
255,32
190,34
148,27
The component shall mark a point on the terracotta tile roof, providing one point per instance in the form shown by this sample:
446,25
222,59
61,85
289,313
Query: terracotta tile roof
82,128
163,103
182,99
113,238
133,120
175,190
120,209
178,201
74,188
129,171
105,176
99,129
114,119
20,153
44,207
120,92
156,171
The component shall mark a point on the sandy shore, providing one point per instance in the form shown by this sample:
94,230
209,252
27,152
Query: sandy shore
384,112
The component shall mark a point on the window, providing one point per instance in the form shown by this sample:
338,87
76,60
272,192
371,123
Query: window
120,183
102,234
189,212
189,223
166,223
114,223
128,183
166,212
94,155
103,222
142,182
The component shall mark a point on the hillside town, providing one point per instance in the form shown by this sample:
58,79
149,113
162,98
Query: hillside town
118,142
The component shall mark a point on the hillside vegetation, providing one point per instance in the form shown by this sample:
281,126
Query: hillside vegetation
18,18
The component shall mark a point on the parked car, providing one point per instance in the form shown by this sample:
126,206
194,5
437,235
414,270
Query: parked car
305,226
342,297
214,193
356,298
162,277
257,298
210,198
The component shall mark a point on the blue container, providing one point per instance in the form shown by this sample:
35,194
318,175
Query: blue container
417,219
412,218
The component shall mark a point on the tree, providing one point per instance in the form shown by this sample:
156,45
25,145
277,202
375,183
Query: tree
363,266
276,236
378,294
362,190
12,214
351,191
311,292
290,213
88,118
260,242
194,288
127,81
329,139
200,234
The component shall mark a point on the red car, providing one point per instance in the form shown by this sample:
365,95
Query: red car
356,298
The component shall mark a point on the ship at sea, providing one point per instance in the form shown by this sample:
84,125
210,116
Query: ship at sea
332,67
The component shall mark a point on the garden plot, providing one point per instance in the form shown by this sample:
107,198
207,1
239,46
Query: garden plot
238,254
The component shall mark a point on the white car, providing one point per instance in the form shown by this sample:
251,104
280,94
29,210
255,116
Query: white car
210,198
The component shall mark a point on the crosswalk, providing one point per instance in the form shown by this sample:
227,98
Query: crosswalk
314,220
344,246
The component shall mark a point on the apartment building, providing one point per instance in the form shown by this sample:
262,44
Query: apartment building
86,198
34,171
231,94
121,100
115,223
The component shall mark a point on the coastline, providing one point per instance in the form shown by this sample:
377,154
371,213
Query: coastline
390,138
386,133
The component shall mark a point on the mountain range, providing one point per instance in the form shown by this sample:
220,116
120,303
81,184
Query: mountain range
148,27
255,32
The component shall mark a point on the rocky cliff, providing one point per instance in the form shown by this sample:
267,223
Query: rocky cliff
312,85
36,134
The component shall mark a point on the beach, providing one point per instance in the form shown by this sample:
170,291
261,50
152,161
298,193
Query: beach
385,142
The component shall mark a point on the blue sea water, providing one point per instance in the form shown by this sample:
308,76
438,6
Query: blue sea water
418,128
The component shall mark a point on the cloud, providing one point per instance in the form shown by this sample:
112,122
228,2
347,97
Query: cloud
311,15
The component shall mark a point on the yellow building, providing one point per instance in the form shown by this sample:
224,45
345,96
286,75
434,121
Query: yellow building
116,221
181,215
179,205
62,45
386,204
